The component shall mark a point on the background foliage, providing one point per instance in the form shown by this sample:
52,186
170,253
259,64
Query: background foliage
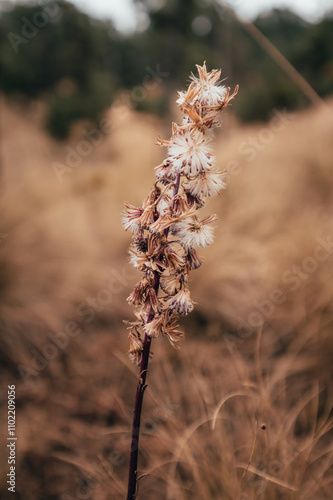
80,63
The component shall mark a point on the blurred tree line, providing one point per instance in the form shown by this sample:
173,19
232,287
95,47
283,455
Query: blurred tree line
80,64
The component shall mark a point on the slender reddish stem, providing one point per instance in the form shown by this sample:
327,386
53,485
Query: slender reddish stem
133,465
132,478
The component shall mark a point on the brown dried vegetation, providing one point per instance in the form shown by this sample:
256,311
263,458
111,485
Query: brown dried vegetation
238,416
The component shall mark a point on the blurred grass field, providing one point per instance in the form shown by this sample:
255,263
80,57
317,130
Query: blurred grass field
266,391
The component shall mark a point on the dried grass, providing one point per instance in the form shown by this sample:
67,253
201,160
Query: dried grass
64,240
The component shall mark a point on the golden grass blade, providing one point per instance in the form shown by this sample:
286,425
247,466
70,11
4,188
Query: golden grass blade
268,477
227,398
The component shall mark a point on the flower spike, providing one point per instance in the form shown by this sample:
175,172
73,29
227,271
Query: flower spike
166,228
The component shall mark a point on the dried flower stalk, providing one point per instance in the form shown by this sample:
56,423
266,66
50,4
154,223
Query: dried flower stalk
167,229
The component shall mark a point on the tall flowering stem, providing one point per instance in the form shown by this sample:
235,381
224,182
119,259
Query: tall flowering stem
167,230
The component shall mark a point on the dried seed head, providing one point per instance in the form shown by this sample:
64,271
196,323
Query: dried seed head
138,259
138,296
140,244
181,302
167,228
210,92
192,233
157,325
207,183
190,152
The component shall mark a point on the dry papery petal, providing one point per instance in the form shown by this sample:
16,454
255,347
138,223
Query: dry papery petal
199,115
135,326
131,217
164,203
137,259
167,175
136,348
181,302
174,335
152,302
171,282
225,102
188,97
138,296
148,216
173,256
195,200
193,260
206,125
150,213
155,245
148,259
161,142
180,205
210,77
153,195
165,220
164,324
209,92
156,326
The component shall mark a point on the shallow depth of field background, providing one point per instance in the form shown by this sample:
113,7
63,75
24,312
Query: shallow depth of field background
243,409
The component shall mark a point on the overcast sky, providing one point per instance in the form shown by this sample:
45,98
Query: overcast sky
122,12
